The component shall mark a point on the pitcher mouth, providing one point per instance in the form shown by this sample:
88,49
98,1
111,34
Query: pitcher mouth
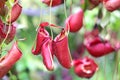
62,1
2,58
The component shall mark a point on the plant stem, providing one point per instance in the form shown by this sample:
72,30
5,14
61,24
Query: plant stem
51,18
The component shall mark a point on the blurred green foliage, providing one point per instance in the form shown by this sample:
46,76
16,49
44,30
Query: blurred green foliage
30,67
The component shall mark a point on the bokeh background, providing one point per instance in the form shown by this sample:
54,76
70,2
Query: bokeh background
31,67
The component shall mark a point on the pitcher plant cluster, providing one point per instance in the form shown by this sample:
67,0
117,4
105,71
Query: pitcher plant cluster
49,47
